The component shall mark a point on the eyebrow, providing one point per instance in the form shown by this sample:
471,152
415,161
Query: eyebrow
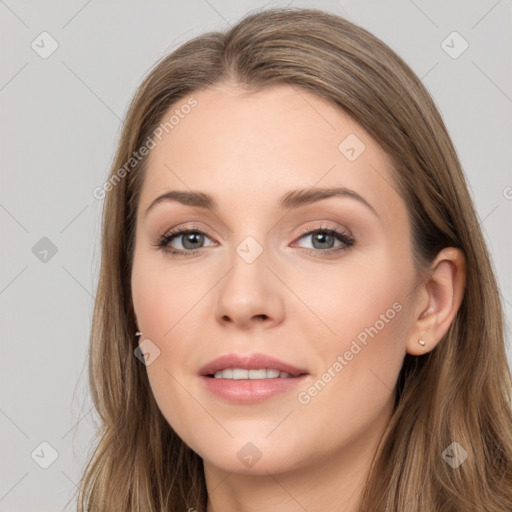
291,200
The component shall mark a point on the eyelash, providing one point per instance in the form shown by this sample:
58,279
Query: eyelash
343,237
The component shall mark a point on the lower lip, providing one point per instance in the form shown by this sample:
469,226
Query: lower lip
250,391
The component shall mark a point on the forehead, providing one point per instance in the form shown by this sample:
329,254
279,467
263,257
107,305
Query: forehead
253,148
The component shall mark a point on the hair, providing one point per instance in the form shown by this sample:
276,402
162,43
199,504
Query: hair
458,392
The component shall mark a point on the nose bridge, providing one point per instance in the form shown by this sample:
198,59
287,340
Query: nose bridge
248,277
247,292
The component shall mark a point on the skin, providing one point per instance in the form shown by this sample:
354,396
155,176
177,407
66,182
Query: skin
248,151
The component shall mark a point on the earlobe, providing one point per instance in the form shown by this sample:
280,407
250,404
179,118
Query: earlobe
439,299
419,346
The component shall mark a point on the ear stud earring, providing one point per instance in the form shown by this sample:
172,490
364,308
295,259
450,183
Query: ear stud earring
421,342
138,333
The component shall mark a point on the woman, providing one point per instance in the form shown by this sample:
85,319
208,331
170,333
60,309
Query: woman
296,308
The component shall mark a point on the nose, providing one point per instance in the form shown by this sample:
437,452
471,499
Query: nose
249,295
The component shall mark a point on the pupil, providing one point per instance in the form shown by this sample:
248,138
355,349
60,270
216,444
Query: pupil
321,237
189,238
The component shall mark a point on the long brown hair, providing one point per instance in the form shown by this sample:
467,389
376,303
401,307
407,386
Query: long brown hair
458,392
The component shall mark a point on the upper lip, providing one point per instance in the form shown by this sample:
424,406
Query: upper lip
249,362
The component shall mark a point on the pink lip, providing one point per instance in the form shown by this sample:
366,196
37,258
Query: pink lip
250,362
248,391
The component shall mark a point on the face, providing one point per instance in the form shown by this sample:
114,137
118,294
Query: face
321,287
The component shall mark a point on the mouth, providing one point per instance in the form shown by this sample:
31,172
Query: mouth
250,366
259,374
247,379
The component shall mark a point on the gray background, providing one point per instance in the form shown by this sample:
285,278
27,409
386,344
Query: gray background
61,119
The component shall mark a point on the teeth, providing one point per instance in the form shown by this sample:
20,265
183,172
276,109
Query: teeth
242,373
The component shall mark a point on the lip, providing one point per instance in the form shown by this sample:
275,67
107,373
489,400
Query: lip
250,391
249,362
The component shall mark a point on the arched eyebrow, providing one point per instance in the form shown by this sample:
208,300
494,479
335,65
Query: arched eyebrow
302,197
291,200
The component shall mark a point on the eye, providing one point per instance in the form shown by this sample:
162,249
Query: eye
323,239
190,239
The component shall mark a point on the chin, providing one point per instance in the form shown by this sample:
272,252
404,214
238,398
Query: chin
251,461
246,454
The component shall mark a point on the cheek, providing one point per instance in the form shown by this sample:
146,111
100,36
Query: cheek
360,298
163,295
166,306
365,317
353,388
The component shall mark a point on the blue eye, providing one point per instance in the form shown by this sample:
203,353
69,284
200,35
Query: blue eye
192,240
324,238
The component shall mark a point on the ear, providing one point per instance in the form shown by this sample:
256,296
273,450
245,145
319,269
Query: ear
438,300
